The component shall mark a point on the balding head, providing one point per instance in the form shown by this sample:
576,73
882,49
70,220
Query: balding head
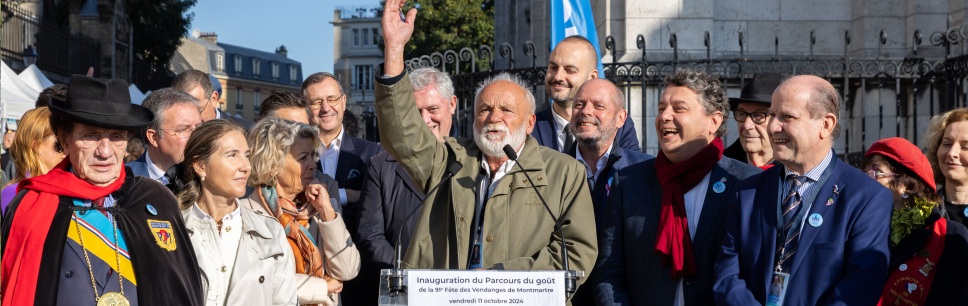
597,114
571,64
804,122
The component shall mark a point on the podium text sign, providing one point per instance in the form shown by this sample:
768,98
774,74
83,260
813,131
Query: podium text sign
491,288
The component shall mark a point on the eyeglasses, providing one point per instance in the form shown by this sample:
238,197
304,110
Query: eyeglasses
182,133
331,100
874,174
758,117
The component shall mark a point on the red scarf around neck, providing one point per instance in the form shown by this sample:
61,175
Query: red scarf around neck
673,243
30,227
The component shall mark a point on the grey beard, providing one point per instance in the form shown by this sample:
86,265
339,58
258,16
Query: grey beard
495,148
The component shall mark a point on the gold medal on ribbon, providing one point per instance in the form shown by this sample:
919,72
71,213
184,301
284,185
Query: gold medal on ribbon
113,299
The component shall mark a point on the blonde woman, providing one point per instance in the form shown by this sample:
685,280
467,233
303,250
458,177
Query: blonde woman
243,256
947,144
283,166
33,150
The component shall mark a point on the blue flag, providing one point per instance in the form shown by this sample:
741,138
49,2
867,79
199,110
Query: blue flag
574,17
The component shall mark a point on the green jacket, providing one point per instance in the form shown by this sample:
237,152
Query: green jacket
518,231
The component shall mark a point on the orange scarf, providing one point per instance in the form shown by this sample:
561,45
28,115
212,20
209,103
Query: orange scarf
296,223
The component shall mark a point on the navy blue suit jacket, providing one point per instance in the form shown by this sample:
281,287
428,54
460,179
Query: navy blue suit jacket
630,271
139,166
607,179
843,261
354,156
544,132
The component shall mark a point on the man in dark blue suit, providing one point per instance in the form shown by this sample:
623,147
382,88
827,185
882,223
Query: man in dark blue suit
572,63
341,156
598,112
814,223
390,195
662,227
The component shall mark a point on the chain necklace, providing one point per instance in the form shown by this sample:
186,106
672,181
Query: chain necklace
109,298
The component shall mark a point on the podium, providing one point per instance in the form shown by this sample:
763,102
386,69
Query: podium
475,287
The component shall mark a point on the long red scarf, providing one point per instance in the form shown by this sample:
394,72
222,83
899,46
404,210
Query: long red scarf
912,285
673,243
30,226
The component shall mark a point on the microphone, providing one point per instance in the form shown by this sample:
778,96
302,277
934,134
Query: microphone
570,280
396,279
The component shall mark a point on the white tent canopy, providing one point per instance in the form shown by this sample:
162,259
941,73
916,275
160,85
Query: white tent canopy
16,97
33,77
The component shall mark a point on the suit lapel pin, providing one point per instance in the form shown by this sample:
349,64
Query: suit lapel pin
151,210
836,190
830,201
720,186
353,174
815,220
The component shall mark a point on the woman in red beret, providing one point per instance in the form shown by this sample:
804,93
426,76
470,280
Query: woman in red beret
928,254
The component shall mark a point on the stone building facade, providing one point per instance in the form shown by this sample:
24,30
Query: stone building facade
356,55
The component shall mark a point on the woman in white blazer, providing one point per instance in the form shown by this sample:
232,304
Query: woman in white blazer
243,256
284,163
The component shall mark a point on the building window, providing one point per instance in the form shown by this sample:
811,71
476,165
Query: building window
256,103
293,73
238,100
275,70
220,61
376,36
255,67
366,36
356,37
363,75
238,64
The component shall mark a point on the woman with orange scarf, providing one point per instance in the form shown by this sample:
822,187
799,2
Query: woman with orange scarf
283,166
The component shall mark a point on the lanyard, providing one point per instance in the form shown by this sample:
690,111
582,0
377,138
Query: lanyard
476,250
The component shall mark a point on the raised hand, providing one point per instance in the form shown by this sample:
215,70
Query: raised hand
318,197
396,33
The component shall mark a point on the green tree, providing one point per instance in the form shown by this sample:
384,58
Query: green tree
450,25
158,27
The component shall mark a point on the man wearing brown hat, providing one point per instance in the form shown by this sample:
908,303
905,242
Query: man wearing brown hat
89,232
751,112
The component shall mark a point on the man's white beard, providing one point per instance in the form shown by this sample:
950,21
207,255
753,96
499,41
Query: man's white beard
495,147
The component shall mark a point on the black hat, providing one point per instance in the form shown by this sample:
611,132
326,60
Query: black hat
101,102
760,89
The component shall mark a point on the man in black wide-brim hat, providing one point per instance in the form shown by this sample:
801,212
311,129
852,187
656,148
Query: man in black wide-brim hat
89,232
751,112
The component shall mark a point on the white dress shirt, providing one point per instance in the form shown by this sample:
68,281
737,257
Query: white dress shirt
501,171
216,251
329,158
560,123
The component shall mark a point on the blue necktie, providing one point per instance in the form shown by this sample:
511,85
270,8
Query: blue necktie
791,207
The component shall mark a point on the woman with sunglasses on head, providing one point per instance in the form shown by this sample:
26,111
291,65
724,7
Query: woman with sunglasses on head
243,256
927,264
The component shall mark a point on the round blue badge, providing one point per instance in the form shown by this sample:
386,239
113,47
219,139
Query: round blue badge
151,210
815,220
966,213
719,187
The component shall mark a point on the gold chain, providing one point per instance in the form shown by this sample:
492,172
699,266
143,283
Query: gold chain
87,260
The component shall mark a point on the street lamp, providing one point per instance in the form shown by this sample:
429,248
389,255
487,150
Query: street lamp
30,56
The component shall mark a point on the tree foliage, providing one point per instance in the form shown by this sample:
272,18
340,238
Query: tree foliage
450,25
158,27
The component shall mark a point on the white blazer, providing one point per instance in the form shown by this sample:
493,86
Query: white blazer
265,268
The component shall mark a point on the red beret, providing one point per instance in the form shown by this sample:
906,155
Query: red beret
906,154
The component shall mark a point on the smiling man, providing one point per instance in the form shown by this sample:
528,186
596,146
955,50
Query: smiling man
487,216
572,63
751,111
813,223
673,205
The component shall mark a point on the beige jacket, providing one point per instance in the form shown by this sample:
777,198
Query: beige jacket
263,265
518,233
341,260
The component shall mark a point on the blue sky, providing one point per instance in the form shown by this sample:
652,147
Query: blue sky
302,25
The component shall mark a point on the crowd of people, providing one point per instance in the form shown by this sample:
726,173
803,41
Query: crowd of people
294,209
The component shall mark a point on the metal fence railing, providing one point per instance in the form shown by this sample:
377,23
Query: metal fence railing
58,50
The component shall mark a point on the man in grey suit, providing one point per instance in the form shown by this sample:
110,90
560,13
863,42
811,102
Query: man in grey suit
176,116
671,205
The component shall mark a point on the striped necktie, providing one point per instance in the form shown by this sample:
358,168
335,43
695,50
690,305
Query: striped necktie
791,207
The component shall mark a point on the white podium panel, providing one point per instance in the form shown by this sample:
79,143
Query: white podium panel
488,287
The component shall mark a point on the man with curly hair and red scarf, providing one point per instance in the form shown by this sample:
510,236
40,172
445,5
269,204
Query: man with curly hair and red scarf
672,205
